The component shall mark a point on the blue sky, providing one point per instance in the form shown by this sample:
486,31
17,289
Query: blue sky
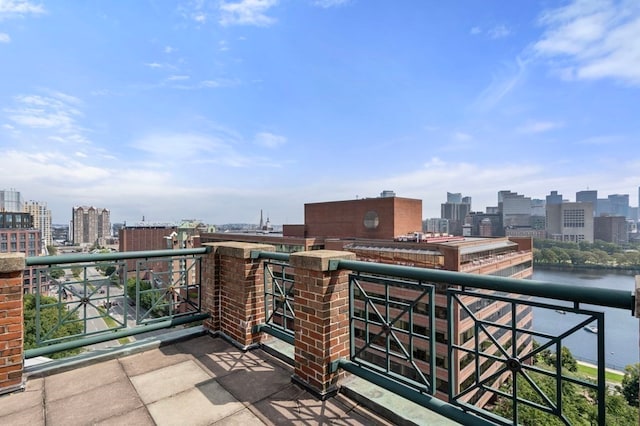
217,109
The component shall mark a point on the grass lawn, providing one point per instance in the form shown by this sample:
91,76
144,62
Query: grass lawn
593,373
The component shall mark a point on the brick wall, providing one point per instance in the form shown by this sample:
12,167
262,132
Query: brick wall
11,322
321,309
233,290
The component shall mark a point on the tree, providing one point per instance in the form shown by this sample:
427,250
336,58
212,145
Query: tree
630,384
49,323
56,273
52,250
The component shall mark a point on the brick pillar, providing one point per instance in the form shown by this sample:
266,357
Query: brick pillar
209,280
321,309
236,302
11,322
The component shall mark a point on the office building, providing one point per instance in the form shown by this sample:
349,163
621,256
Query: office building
17,235
436,226
553,198
515,209
612,229
588,196
455,210
90,225
10,201
41,220
375,218
570,221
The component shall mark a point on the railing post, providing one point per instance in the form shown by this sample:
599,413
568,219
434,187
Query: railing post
11,322
233,291
321,310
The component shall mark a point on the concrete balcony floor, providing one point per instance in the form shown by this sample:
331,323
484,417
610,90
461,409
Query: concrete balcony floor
200,381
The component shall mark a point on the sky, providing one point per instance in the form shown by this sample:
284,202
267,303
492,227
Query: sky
215,110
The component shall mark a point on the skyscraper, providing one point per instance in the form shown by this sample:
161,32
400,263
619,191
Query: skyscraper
41,219
455,209
588,196
90,225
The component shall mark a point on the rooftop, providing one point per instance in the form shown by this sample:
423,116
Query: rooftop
200,381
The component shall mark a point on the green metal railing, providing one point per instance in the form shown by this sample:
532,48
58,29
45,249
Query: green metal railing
86,299
479,337
278,297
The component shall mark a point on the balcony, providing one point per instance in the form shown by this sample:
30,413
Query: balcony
258,336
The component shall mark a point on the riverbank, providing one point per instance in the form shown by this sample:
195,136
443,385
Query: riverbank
566,267
591,370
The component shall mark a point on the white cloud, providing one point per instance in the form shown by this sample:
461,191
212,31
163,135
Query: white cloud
57,114
593,40
154,65
81,154
330,3
216,147
4,38
247,12
502,84
539,126
475,31
499,31
19,8
270,140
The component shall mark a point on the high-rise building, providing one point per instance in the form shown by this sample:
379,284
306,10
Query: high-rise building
455,210
619,205
612,229
90,225
41,220
436,225
570,222
10,201
588,196
554,198
515,208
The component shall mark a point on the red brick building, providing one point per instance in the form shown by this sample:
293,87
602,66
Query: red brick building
381,218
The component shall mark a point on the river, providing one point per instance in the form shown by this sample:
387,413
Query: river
621,328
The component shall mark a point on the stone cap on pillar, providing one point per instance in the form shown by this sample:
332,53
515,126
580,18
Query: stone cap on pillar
318,260
12,262
240,250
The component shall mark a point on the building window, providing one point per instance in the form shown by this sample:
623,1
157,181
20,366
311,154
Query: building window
3,247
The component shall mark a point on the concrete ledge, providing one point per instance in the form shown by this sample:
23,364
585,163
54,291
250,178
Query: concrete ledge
12,262
318,260
241,250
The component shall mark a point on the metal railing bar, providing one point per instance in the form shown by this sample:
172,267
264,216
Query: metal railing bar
591,295
112,335
100,257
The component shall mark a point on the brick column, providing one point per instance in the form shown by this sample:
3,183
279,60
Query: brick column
236,303
11,322
321,309
209,280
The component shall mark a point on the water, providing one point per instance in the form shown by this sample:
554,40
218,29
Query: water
621,328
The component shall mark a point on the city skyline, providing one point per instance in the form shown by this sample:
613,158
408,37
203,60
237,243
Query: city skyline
216,110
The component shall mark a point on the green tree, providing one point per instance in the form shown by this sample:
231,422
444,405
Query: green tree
630,384
49,323
52,250
149,298
56,273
